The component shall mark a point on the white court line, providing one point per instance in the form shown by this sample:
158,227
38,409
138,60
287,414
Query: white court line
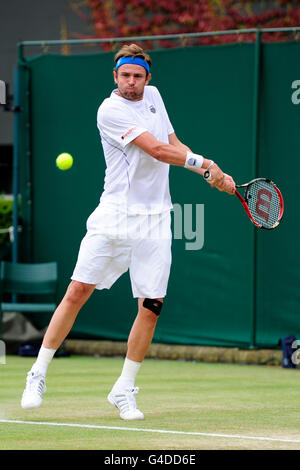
161,431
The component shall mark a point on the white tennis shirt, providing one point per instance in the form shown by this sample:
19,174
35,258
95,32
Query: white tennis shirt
134,181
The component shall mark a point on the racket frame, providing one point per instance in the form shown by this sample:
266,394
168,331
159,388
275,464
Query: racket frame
245,205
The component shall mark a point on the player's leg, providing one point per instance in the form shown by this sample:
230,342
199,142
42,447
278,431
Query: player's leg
59,327
123,392
99,264
149,273
142,330
64,317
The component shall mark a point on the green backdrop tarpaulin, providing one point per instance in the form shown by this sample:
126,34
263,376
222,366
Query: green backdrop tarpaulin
278,257
240,279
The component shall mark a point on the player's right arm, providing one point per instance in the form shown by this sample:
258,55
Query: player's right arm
177,155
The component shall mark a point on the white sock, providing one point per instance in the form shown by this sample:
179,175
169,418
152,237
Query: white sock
43,360
129,373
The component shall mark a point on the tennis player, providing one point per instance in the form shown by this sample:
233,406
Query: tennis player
130,228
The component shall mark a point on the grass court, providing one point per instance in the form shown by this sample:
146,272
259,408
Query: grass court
187,405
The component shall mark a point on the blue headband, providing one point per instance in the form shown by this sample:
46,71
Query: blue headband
133,60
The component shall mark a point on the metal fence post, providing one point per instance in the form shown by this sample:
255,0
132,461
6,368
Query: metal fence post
16,165
255,130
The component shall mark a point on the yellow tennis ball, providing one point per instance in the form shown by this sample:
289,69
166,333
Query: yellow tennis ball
64,161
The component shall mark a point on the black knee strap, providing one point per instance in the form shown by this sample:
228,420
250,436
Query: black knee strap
154,305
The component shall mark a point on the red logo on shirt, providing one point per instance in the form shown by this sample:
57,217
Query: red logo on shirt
127,133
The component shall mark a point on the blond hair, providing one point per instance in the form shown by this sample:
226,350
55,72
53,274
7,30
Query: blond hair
133,50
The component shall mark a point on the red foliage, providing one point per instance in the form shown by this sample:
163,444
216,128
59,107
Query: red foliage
117,18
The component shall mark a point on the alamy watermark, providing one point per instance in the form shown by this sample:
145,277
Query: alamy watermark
295,96
295,356
139,222
189,225
2,352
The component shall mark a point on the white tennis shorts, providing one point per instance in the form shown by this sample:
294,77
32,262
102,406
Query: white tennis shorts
116,242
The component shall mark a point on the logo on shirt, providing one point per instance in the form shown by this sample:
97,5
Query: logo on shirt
152,109
127,133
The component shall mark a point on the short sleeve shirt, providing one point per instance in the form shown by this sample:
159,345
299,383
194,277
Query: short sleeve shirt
134,181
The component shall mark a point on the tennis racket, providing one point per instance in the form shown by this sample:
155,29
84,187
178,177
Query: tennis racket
262,201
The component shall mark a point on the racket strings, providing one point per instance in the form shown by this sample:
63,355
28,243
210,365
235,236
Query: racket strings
264,203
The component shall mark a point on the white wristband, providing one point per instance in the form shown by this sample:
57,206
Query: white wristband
193,161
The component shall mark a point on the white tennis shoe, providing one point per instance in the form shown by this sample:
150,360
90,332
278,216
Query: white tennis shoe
124,400
33,393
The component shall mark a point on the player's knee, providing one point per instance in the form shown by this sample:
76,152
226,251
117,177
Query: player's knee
153,305
78,292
